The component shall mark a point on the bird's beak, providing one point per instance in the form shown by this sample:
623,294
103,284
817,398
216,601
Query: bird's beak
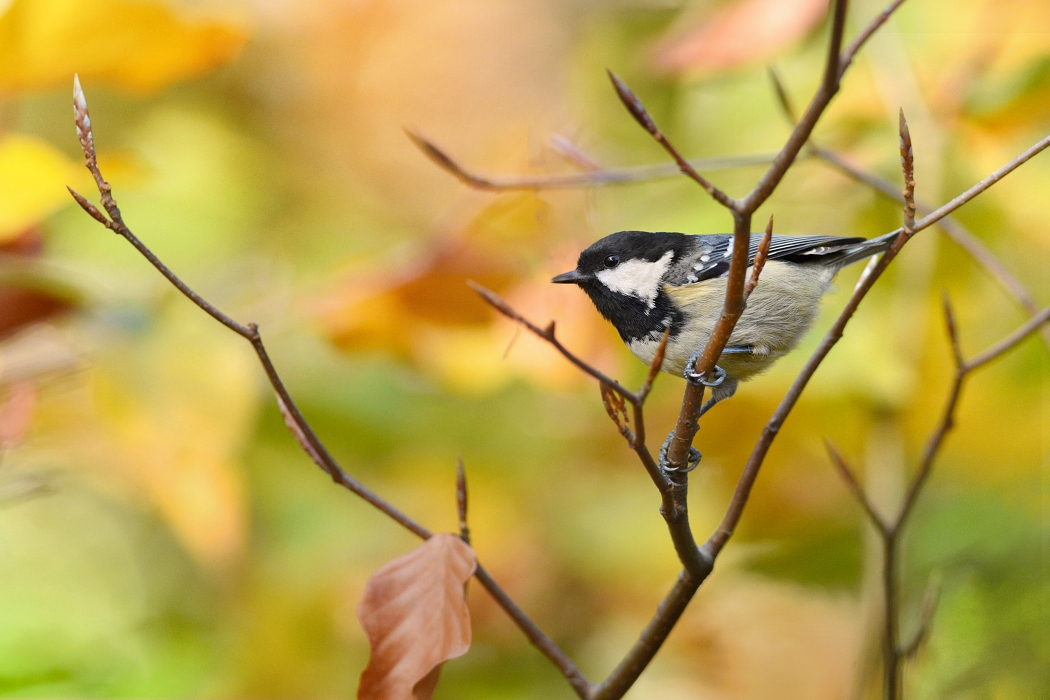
571,277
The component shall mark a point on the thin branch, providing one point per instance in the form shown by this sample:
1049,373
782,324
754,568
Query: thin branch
654,366
592,178
1010,341
461,500
894,654
946,209
800,134
650,640
782,96
855,489
641,115
908,167
862,38
574,154
760,259
930,598
535,635
831,338
298,425
548,335
732,309
674,509
951,227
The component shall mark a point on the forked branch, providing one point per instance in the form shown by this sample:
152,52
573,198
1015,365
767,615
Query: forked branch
297,424
890,532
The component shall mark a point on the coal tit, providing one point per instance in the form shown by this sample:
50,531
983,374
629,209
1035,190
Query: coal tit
644,283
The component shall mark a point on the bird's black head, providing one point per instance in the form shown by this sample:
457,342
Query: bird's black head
623,274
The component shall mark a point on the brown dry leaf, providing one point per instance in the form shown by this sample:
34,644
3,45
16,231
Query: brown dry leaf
16,414
740,33
416,618
134,44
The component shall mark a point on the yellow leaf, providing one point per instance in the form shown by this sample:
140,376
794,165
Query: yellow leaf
33,176
138,45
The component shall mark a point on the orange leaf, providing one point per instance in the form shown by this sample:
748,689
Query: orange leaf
16,414
415,615
742,32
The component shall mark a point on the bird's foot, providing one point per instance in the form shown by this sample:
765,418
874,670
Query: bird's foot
700,378
692,461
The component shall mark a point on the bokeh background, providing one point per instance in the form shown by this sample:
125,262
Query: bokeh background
161,534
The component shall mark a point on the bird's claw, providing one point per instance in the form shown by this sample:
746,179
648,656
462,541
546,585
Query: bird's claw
692,461
700,378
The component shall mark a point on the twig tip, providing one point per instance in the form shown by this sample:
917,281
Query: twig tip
78,93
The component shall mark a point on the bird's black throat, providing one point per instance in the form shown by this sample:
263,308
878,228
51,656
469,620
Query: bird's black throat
632,317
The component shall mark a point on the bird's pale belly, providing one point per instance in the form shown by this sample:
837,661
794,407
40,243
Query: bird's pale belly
779,312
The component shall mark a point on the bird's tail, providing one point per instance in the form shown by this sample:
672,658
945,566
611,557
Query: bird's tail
872,246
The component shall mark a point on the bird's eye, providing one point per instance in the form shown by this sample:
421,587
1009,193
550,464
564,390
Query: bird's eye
612,261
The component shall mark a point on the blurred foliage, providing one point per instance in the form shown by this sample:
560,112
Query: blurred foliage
161,534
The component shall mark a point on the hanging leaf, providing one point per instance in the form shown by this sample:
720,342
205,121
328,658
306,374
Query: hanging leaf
137,45
415,615
740,33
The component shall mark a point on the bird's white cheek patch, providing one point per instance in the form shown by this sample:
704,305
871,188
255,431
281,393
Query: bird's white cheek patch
637,278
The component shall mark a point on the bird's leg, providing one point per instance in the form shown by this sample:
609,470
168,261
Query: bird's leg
721,390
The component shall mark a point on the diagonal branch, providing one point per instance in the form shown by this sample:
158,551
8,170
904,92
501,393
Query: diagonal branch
951,227
760,259
299,427
831,338
548,335
955,231
641,115
833,72
855,489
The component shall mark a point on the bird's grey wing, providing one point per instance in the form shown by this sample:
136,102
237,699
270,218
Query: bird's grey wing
798,248
710,257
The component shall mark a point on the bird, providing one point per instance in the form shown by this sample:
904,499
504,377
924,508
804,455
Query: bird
646,283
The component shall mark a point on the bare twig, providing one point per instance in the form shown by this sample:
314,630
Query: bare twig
800,134
952,228
760,259
548,335
862,38
831,338
894,653
641,115
654,366
955,231
592,178
782,96
300,428
930,598
908,166
854,487
1033,324
461,500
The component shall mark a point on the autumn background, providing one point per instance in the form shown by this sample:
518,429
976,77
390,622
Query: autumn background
161,533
